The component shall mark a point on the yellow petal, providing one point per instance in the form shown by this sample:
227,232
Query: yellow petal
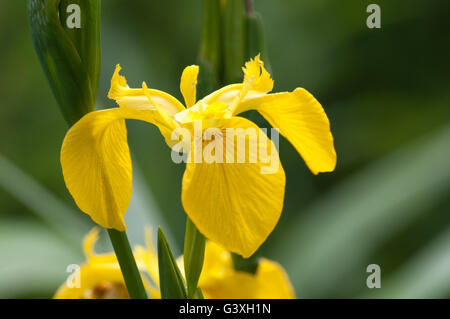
257,82
301,119
220,281
149,257
138,98
97,167
235,204
96,162
93,277
257,76
89,242
188,84
274,281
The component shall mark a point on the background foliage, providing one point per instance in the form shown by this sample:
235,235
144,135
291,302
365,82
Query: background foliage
387,96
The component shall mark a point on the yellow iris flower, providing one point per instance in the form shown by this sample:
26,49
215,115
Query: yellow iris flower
233,204
100,276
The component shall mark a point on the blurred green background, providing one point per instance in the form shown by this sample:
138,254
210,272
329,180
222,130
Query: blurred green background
386,92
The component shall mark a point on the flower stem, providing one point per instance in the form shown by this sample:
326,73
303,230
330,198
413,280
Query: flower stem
194,254
128,266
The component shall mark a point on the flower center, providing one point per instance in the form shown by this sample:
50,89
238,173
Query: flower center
202,111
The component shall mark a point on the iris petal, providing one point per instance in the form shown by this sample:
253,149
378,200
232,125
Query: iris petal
220,281
96,162
138,98
301,119
234,204
188,84
97,167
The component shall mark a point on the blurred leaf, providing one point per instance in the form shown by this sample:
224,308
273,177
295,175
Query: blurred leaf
33,260
330,242
427,275
144,211
60,217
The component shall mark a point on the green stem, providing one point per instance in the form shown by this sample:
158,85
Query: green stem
194,254
130,272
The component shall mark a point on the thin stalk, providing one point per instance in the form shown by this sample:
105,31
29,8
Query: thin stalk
130,272
194,254
249,7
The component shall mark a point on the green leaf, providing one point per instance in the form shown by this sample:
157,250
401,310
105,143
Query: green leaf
70,58
194,253
43,203
34,259
170,278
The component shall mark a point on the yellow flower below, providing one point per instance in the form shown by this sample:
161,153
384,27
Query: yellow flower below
219,280
100,276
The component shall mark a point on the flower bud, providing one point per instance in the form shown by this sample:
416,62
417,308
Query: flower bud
210,55
66,36
233,40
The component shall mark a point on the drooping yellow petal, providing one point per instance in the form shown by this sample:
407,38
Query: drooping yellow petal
220,281
96,162
188,84
96,166
138,98
302,120
236,204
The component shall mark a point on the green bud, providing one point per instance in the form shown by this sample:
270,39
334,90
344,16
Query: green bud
255,38
210,49
255,44
209,59
233,40
170,279
66,36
